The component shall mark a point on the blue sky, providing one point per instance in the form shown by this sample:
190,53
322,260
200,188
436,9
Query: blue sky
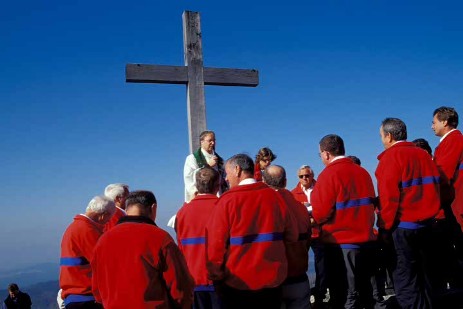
70,125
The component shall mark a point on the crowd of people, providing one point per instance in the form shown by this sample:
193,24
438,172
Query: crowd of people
243,238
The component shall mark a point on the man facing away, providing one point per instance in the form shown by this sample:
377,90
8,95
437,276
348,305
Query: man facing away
246,240
190,226
138,265
77,247
118,193
408,189
204,156
17,299
296,287
343,206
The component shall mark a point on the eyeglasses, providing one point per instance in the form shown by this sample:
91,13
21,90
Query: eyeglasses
305,176
266,160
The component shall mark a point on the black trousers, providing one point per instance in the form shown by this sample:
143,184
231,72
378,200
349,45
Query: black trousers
411,281
240,299
84,305
349,274
206,300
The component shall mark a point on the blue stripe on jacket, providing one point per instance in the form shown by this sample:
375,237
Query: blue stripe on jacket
354,203
76,298
193,241
73,261
264,237
420,181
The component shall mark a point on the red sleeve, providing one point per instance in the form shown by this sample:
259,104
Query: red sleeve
217,235
323,199
178,279
388,178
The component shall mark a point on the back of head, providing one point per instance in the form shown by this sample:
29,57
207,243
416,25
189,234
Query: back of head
207,180
356,160
141,199
265,153
116,190
275,176
448,114
101,205
244,162
423,144
333,144
396,128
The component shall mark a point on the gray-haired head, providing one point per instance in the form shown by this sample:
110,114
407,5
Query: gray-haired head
116,190
101,205
395,127
243,161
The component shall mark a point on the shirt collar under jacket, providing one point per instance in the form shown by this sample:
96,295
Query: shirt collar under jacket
247,181
445,135
337,158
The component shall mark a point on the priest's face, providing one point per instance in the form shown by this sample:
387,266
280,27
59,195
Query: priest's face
208,143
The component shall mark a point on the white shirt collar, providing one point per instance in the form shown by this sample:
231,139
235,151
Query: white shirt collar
247,181
207,154
337,158
445,135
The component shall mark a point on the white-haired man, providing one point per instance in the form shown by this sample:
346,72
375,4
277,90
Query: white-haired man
118,193
77,246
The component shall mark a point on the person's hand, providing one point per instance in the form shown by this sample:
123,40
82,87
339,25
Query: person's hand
213,162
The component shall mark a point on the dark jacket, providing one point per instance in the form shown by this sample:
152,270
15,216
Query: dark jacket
21,301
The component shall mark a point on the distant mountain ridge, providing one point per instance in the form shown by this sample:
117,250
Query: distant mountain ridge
29,275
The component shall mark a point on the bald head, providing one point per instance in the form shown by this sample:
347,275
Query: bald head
275,176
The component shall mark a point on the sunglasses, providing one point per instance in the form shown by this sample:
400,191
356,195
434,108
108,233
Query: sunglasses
305,176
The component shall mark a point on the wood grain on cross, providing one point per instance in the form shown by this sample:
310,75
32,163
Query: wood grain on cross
193,74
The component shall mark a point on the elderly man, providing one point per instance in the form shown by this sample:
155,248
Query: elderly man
246,240
408,188
296,288
204,156
343,206
77,247
191,223
305,186
118,193
138,265
302,193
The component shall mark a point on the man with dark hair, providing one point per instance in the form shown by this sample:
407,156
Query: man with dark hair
17,299
408,188
246,240
423,144
343,206
448,157
356,160
296,287
190,226
203,156
138,265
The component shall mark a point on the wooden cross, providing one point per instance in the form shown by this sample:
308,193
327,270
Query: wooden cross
193,74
